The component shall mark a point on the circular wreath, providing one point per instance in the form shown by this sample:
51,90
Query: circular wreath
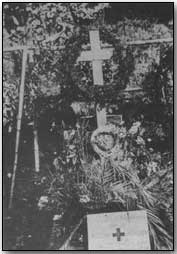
79,76
105,140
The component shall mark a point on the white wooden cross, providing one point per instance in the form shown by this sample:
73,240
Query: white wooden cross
96,55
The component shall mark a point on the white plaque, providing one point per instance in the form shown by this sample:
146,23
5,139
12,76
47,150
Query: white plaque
118,231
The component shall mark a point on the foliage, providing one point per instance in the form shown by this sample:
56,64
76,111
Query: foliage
158,82
136,175
52,72
131,178
9,105
46,26
35,22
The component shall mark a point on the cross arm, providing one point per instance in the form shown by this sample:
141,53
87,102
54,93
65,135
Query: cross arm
102,54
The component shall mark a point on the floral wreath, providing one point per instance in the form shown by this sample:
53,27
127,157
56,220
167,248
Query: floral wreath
98,143
121,56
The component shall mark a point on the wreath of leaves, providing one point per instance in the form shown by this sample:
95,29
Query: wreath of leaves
106,130
73,83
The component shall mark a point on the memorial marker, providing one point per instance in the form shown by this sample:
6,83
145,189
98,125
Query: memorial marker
96,55
118,231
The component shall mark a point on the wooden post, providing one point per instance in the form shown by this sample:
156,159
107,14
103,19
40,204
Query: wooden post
36,142
101,115
96,55
36,148
19,118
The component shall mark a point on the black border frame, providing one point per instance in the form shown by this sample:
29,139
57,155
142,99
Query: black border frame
172,3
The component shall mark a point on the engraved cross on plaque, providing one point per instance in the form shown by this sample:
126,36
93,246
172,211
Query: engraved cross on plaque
118,234
96,55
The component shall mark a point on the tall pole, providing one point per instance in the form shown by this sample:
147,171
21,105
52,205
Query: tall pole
19,118
36,150
36,143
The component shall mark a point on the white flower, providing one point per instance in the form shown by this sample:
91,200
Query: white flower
43,179
122,133
121,123
140,141
77,125
84,199
57,217
9,175
134,129
110,110
56,163
62,178
72,132
137,124
43,201
142,131
71,147
152,167
66,135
